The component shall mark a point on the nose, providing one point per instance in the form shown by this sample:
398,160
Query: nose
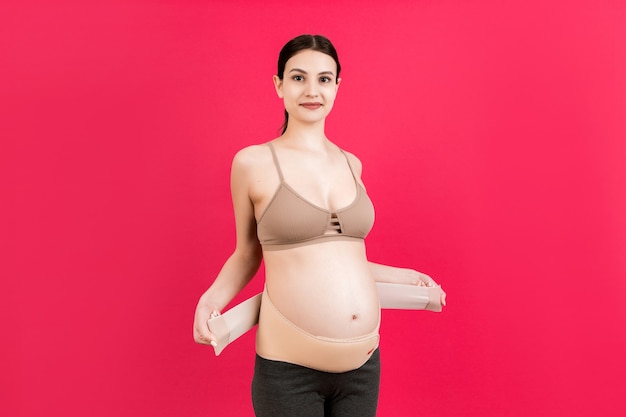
311,89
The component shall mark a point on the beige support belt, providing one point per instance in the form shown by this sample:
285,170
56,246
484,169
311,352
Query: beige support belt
238,320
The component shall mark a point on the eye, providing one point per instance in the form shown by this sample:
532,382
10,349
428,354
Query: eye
325,79
297,78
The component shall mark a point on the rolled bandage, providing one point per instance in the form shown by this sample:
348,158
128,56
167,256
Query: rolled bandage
238,320
409,297
235,322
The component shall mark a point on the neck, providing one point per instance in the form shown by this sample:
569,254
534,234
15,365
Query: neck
308,135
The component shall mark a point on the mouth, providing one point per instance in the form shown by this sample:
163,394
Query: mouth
311,106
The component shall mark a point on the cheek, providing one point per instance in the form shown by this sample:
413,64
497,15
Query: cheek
331,93
289,96
286,91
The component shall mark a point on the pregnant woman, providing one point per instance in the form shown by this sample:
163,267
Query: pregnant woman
300,206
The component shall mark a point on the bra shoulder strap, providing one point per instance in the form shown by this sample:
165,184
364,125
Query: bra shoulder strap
275,158
349,163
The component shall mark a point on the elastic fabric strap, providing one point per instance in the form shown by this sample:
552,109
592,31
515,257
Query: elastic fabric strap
275,158
349,164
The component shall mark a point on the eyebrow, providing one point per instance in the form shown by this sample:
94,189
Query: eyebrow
304,72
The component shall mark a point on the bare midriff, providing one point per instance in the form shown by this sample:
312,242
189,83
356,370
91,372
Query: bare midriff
326,289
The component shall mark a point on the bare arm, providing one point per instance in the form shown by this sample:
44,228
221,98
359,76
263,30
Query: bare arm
396,275
406,276
245,260
392,274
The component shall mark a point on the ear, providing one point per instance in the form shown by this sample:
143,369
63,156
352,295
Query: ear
338,82
278,85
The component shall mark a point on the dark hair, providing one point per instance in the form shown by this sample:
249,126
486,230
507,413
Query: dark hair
301,43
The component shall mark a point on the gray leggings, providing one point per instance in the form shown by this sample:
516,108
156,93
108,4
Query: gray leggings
281,389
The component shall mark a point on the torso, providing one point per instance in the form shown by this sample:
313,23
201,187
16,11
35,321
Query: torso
326,288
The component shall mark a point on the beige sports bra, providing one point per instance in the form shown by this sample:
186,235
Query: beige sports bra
290,220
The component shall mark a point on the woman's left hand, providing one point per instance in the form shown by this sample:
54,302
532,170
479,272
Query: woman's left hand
424,280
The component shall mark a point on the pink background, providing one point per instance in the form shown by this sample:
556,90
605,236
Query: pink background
493,138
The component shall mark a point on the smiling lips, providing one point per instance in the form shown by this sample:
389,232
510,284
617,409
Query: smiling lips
311,106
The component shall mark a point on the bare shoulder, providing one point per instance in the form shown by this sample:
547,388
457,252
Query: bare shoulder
355,162
251,155
253,170
251,159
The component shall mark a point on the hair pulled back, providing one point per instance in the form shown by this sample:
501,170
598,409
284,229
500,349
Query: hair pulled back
301,43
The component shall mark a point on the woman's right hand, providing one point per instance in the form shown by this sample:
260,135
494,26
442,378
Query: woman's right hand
201,332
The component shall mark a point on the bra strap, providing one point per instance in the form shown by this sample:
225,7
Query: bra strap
349,164
275,158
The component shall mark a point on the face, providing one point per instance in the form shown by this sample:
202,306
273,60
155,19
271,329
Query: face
309,86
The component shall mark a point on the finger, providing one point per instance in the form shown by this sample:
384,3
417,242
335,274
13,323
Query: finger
210,336
420,279
198,337
427,280
206,339
203,335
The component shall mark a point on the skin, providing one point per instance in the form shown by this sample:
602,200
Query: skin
326,289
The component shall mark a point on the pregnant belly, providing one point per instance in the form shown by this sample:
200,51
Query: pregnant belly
326,290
